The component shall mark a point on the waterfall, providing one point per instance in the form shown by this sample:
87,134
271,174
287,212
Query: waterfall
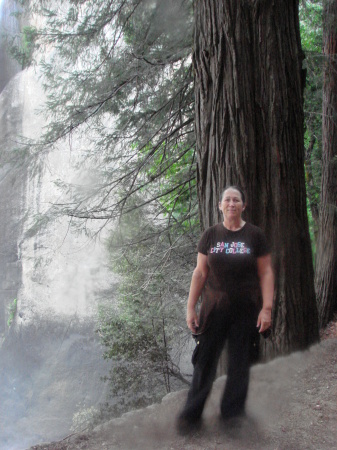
50,357
11,26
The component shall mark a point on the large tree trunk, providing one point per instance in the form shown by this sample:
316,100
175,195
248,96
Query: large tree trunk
326,262
249,128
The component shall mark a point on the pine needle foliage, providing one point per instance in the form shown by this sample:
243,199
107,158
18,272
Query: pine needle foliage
119,73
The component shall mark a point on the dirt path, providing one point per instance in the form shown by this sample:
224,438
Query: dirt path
292,405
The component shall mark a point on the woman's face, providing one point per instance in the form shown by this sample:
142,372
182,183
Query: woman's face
231,204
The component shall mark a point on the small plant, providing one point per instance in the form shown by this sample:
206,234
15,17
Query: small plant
84,418
12,311
21,47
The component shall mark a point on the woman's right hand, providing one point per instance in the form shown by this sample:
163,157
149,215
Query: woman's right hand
198,281
192,320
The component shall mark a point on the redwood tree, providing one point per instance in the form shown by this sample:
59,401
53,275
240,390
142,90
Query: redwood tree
249,128
326,262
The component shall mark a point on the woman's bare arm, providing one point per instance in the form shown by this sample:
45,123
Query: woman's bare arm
266,277
198,281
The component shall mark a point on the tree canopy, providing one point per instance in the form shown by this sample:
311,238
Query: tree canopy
120,72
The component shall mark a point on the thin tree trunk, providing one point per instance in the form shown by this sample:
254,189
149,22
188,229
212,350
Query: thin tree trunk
311,184
326,262
249,129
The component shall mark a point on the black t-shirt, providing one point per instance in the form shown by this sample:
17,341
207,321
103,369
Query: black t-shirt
232,260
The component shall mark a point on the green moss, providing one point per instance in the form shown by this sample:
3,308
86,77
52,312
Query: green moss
12,311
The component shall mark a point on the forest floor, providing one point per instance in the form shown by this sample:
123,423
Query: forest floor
292,405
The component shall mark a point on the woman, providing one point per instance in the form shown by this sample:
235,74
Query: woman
233,270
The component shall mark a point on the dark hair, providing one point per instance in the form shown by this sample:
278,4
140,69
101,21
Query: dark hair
237,188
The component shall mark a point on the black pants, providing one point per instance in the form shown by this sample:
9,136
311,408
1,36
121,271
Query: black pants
237,326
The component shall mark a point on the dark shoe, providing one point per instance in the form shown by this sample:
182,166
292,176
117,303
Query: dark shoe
187,426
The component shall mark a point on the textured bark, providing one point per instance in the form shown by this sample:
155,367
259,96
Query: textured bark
326,262
249,128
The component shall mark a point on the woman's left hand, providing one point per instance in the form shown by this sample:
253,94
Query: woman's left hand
264,320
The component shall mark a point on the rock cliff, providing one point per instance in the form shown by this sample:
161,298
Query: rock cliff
50,359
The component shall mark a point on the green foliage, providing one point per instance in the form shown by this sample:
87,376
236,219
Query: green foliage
313,231
11,312
311,36
144,330
120,73
21,47
311,25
